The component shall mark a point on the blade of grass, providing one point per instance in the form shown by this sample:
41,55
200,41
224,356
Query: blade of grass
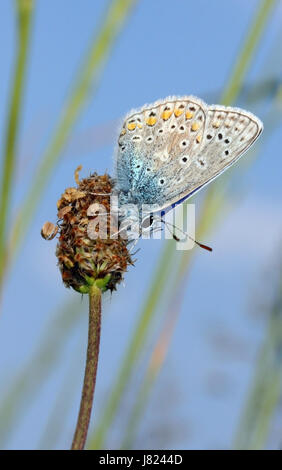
24,10
37,370
56,423
249,45
154,367
266,387
89,73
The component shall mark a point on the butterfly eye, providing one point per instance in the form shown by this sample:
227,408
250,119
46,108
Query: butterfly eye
220,136
123,148
161,181
209,136
160,131
148,169
149,139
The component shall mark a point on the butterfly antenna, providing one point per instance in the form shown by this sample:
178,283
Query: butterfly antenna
201,245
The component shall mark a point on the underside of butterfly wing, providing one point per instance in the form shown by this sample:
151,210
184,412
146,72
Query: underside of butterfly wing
172,148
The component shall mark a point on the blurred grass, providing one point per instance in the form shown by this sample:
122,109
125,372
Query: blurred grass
24,13
29,381
21,395
231,92
219,204
160,281
32,376
210,214
21,388
55,429
155,364
265,382
46,348
266,387
88,76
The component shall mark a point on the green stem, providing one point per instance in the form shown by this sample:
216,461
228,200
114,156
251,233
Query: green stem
94,331
24,15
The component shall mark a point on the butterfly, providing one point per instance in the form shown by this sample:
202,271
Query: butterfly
169,150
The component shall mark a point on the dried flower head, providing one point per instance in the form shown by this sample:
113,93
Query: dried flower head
81,259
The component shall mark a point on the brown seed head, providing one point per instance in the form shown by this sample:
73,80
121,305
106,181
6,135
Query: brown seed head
83,260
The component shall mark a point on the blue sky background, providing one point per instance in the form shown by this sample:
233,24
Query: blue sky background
166,48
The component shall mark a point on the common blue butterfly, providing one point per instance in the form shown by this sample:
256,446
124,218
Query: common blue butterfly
172,148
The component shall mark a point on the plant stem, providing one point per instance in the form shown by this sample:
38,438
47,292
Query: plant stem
94,331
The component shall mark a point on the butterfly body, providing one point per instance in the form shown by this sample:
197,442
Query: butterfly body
174,147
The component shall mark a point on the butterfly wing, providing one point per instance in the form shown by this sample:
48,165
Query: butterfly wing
172,148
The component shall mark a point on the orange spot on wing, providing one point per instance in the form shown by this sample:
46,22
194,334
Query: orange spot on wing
166,115
189,115
195,126
151,121
178,112
131,126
